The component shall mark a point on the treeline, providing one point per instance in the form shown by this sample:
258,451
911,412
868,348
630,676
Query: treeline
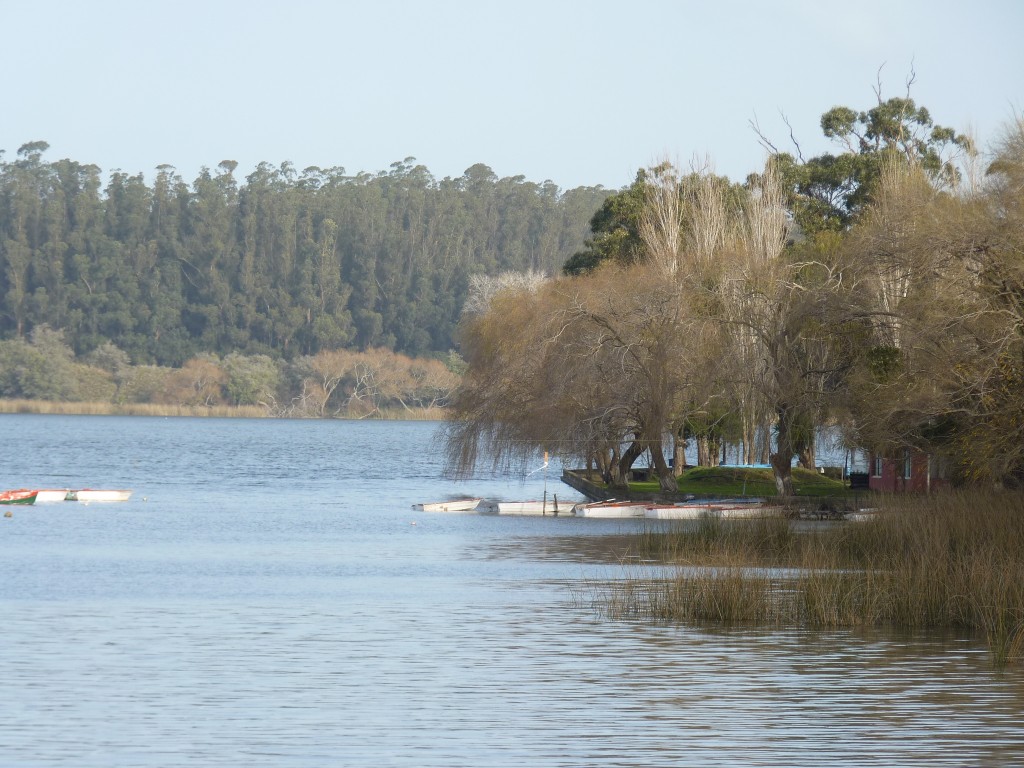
879,290
283,263
331,383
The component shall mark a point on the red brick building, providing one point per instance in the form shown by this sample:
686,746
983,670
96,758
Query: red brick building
910,472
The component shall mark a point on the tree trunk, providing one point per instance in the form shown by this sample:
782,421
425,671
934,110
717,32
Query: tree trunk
678,453
714,446
666,479
808,458
608,466
632,453
782,461
749,432
764,445
708,451
803,442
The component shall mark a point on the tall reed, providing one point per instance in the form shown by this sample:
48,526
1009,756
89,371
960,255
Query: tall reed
50,407
710,540
53,407
954,560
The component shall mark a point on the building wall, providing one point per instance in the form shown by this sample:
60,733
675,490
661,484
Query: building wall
911,473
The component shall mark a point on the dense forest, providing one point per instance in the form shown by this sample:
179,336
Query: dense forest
284,264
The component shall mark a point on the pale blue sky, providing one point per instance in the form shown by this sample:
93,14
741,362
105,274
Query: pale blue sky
581,93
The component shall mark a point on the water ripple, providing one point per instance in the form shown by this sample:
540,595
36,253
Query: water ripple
230,627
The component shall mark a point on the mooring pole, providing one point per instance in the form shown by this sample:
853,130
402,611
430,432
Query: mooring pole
544,506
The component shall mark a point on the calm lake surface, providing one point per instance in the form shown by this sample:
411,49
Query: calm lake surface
269,598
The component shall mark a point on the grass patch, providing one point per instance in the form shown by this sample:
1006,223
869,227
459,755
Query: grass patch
746,481
949,561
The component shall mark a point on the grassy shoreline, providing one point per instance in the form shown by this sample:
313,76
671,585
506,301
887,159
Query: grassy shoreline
48,407
948,561
720,482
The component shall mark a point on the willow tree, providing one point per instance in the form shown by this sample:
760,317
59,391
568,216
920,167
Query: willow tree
648,348
504,409
594,368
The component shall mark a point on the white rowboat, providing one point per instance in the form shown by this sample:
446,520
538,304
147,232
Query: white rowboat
550,507
455,505
95,494
52,494
724,510
612,509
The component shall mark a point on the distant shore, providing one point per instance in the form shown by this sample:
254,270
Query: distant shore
215,411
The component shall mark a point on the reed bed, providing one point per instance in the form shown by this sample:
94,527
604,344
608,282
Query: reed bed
49,407
217,411
433,413
950,561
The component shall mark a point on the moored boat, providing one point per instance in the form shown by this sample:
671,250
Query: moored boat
549,507
455,505
96,494
722,508
678,511
760,510
20,496
612,509
46,495
861,515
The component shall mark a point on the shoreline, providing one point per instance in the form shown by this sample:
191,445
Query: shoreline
56,408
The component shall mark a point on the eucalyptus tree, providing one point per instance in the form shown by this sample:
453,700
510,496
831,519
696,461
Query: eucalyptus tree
825,193
118,268
210,239
330,322
269,268
26,186
615,234
284,264
167,340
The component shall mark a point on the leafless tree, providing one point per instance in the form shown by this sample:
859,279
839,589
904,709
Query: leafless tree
483,288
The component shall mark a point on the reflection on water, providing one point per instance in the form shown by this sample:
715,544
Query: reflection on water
610,548
303,620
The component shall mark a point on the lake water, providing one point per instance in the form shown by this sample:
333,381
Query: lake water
269,598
